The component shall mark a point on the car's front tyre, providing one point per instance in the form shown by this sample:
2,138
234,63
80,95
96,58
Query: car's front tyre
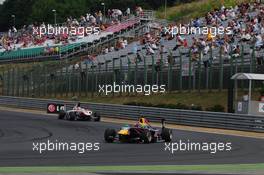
166,134
61,115
146,137
97,117
109,135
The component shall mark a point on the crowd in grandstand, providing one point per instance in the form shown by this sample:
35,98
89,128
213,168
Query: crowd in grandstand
245,21
26,37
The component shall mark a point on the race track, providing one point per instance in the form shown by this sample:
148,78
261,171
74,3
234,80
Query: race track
18,131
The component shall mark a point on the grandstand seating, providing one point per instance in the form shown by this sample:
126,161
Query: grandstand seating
70,47
122,26
33,52
36,52
40,51
169,45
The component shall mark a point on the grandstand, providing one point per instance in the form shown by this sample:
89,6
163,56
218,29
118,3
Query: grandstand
249,48
67,50
151,57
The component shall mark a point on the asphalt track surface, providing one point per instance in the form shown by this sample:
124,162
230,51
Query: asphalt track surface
18,131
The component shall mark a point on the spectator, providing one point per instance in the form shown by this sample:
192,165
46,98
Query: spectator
128,12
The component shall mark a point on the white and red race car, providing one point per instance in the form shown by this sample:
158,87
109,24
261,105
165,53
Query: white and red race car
77,113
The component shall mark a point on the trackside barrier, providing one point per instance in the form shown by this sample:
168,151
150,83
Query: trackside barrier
172,116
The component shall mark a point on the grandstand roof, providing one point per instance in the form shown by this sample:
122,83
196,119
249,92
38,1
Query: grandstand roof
248,76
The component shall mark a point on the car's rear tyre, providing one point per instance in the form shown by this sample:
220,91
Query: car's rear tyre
61,115
109,135
146,137
71,116
166,135
97,117
154,140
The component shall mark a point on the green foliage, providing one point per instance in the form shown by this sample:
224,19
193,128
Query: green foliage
261,91
163,105
29,11
216,108
198,8
20,8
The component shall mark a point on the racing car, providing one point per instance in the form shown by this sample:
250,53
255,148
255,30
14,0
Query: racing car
141,132
79,113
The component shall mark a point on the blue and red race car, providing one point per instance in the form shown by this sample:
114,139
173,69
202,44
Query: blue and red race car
141,132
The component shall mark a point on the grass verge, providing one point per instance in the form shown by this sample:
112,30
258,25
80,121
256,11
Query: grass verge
204,99
239,168
186,11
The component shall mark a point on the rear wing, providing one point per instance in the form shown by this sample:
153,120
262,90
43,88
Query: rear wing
53,108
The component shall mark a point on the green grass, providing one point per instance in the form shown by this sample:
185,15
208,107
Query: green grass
205,99
186,11
158,168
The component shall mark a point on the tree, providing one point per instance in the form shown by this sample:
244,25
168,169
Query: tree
29,11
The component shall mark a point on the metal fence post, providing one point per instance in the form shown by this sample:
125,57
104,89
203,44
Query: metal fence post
128,71
92,80
86,80
31,83
194,77
199,71
232,66
35,80
114,74
40,79
79,78
8,83
211,68
242,58
23,82
180,73
145,72
242,64
113,65
236,65
135,72
72,80
3,82
62,81
98,78
106,72
121,74
221,73
161,69
18,73
170,71
252,60
253,66
55,84
28,83
45,81
190,71
13,82
67,81
153,70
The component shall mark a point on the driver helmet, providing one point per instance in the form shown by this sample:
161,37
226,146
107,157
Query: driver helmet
142,122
